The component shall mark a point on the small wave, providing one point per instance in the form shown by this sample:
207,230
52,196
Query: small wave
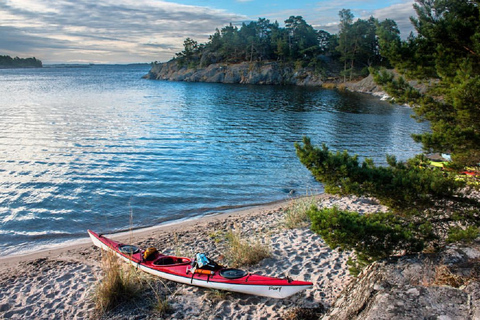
40,234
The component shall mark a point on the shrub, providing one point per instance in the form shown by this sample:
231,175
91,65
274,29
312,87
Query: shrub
299,313
218,295
373,236
428,206
329,85
162,305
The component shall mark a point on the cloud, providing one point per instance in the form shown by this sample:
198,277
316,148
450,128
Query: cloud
324,14
145,30
401,13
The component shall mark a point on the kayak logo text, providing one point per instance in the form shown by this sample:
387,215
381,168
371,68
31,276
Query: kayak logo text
275,288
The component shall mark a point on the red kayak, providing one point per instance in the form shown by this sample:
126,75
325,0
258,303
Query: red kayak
182,270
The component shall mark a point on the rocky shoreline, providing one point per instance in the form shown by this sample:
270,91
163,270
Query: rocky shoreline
261,73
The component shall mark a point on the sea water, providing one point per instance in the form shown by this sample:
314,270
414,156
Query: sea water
98,147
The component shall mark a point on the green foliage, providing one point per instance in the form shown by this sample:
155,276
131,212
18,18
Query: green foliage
298,42
401,186
358,44
9,62
396,87
258,41
373,237
459,234
447,51
427,205
388,39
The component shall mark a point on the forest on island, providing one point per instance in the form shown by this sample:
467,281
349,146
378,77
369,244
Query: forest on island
9,62
356,46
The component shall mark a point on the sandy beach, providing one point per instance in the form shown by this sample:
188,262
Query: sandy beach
59,284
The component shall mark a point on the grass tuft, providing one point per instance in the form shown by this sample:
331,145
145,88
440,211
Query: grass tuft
445,277
299,313
218,295
162,306
244,252
329,85
119,285
296,213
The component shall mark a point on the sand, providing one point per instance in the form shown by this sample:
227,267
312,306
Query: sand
59,284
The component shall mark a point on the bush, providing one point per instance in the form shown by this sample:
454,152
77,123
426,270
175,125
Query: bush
299,313
373,236
428,206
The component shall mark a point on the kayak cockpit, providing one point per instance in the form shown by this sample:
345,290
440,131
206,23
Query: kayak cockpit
169,260
128,249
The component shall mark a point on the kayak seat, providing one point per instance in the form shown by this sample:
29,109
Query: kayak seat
165,261
233,273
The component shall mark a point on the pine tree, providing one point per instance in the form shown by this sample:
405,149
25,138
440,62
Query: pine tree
446,51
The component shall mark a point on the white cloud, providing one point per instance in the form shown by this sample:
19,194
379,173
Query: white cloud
324,15
401,13
145,30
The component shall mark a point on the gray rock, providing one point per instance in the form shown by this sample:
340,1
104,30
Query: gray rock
270,73
412,287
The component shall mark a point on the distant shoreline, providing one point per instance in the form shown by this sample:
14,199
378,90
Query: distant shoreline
7,62
19,67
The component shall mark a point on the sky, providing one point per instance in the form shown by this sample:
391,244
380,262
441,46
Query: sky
142,31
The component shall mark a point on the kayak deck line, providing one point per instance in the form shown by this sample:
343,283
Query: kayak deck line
180,270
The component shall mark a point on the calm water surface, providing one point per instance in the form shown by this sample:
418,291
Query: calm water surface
100,148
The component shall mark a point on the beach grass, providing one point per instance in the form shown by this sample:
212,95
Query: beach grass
162,305
296,213
120,284
329,85
244,252
299,313
217,295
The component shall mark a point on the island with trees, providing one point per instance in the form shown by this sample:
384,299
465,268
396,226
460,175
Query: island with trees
7,62
263,52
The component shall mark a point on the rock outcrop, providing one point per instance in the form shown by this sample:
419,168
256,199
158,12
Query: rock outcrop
243,73
427,286
269,73
367,85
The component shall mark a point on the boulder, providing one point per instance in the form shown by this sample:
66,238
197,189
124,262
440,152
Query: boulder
444,285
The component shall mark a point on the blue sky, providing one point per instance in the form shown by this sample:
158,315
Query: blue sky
127,31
